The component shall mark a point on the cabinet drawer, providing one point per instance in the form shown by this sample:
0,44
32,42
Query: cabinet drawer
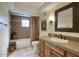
54,54
47,53
47,44
46,48
57,49
68,54
41,55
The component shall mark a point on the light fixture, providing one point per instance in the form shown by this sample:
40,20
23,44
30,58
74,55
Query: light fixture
51,19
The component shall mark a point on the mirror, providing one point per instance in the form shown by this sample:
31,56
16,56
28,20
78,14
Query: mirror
65,18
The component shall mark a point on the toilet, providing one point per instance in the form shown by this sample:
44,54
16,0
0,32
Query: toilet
35,45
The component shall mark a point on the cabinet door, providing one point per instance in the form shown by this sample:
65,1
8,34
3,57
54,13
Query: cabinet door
12,48
41,53
57,50
41,43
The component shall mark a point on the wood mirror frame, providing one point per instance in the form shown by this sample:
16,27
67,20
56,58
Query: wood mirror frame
75,6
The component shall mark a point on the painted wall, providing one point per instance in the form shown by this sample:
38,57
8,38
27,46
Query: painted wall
4,30
51,28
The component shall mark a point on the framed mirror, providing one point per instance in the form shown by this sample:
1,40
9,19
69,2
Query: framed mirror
67,18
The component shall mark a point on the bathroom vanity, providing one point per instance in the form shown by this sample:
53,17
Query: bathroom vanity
66,20
48,48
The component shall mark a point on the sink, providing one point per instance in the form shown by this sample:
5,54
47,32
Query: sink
59,40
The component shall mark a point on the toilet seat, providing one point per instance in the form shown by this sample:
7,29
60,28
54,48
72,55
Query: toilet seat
35,42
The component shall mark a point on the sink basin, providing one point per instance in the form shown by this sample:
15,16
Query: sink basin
59,40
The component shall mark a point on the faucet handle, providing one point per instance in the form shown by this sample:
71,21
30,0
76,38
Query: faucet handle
64,37
60,36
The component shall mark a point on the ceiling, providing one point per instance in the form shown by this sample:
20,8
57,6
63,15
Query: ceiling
25,8
29,5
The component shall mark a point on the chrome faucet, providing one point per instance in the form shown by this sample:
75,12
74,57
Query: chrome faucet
61,36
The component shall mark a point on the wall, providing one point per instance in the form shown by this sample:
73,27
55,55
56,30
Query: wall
4,30
22,32
52,27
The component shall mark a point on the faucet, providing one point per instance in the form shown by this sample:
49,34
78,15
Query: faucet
61,36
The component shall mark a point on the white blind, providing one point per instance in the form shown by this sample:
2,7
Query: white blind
25,23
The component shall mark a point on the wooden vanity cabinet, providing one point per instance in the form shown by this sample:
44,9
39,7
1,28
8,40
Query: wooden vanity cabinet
49,50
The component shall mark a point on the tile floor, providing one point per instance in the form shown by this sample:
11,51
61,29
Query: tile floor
21,51
24,52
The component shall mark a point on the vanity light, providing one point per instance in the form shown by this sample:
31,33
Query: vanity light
51,19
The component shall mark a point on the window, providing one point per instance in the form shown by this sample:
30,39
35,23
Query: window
25,23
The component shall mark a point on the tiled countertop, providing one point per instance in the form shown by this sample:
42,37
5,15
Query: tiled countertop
71,46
